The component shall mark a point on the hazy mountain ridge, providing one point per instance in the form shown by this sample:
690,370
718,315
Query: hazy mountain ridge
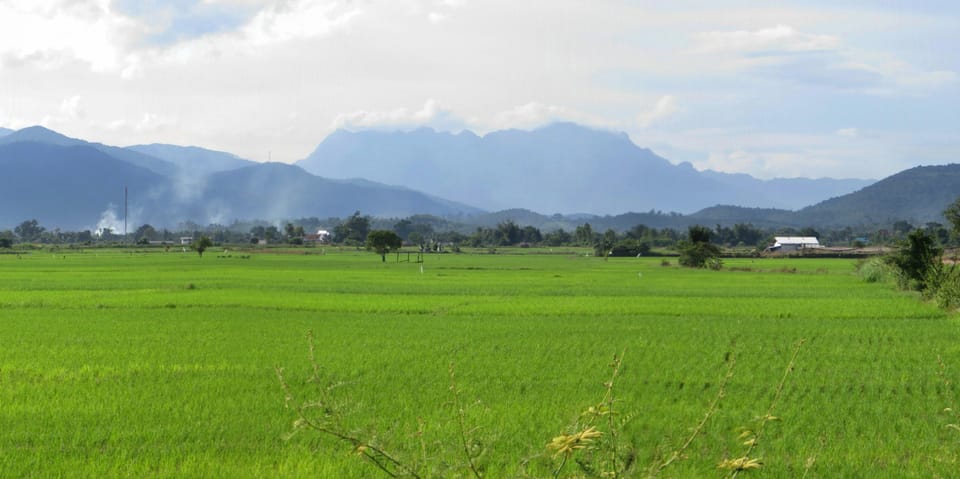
39,134
193,160
557,168
66,186
73,184
918,195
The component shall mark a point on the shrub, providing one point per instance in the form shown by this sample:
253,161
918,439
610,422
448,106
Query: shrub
876,270
917,259
630,248
697,251
947,283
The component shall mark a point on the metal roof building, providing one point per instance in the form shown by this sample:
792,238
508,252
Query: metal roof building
793,243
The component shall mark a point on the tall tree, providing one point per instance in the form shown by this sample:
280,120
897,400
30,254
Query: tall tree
201,244
29,230
583,235
353,230
952,214
697,251
383,241
144,233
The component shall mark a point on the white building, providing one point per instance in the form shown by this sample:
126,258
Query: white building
785,244
322,237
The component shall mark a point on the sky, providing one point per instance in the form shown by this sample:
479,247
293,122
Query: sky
815,88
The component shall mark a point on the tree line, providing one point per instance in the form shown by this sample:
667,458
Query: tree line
433,233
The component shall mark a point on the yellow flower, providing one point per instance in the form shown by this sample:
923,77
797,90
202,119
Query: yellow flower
740,464
567,443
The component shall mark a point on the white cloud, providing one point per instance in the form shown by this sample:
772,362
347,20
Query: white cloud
71,108
273,76
787,54
531,115
907,75
665,107
431,114
151,122
534,114
848,132
48,34
768,163
781,38
297,19
52,33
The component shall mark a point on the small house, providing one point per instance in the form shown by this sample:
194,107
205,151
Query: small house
786,244
322,237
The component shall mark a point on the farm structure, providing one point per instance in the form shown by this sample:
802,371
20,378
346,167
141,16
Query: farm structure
786,244
322,237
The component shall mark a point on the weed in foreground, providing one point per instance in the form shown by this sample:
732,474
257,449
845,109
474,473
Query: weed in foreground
325,415
605,455
593,442
751,436
471,450
680,452
951,409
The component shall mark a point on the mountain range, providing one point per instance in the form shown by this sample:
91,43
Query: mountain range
73,184
564,169
561,167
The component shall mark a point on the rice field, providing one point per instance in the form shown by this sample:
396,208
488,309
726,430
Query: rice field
151,364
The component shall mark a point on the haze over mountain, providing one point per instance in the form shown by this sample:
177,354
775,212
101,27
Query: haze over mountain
917,195
193,159
73,184
562,167
39,134
64,186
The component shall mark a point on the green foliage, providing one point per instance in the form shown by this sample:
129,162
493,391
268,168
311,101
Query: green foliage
952,214
29,231
947,291
201,244
917,259
630,248
144,234
584,235
353,230
876,270
383,242
697,251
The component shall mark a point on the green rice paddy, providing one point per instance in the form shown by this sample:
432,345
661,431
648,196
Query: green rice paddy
152,364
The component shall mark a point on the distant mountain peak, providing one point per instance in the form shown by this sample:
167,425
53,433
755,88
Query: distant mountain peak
192,160
40,134
5,132
558,167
